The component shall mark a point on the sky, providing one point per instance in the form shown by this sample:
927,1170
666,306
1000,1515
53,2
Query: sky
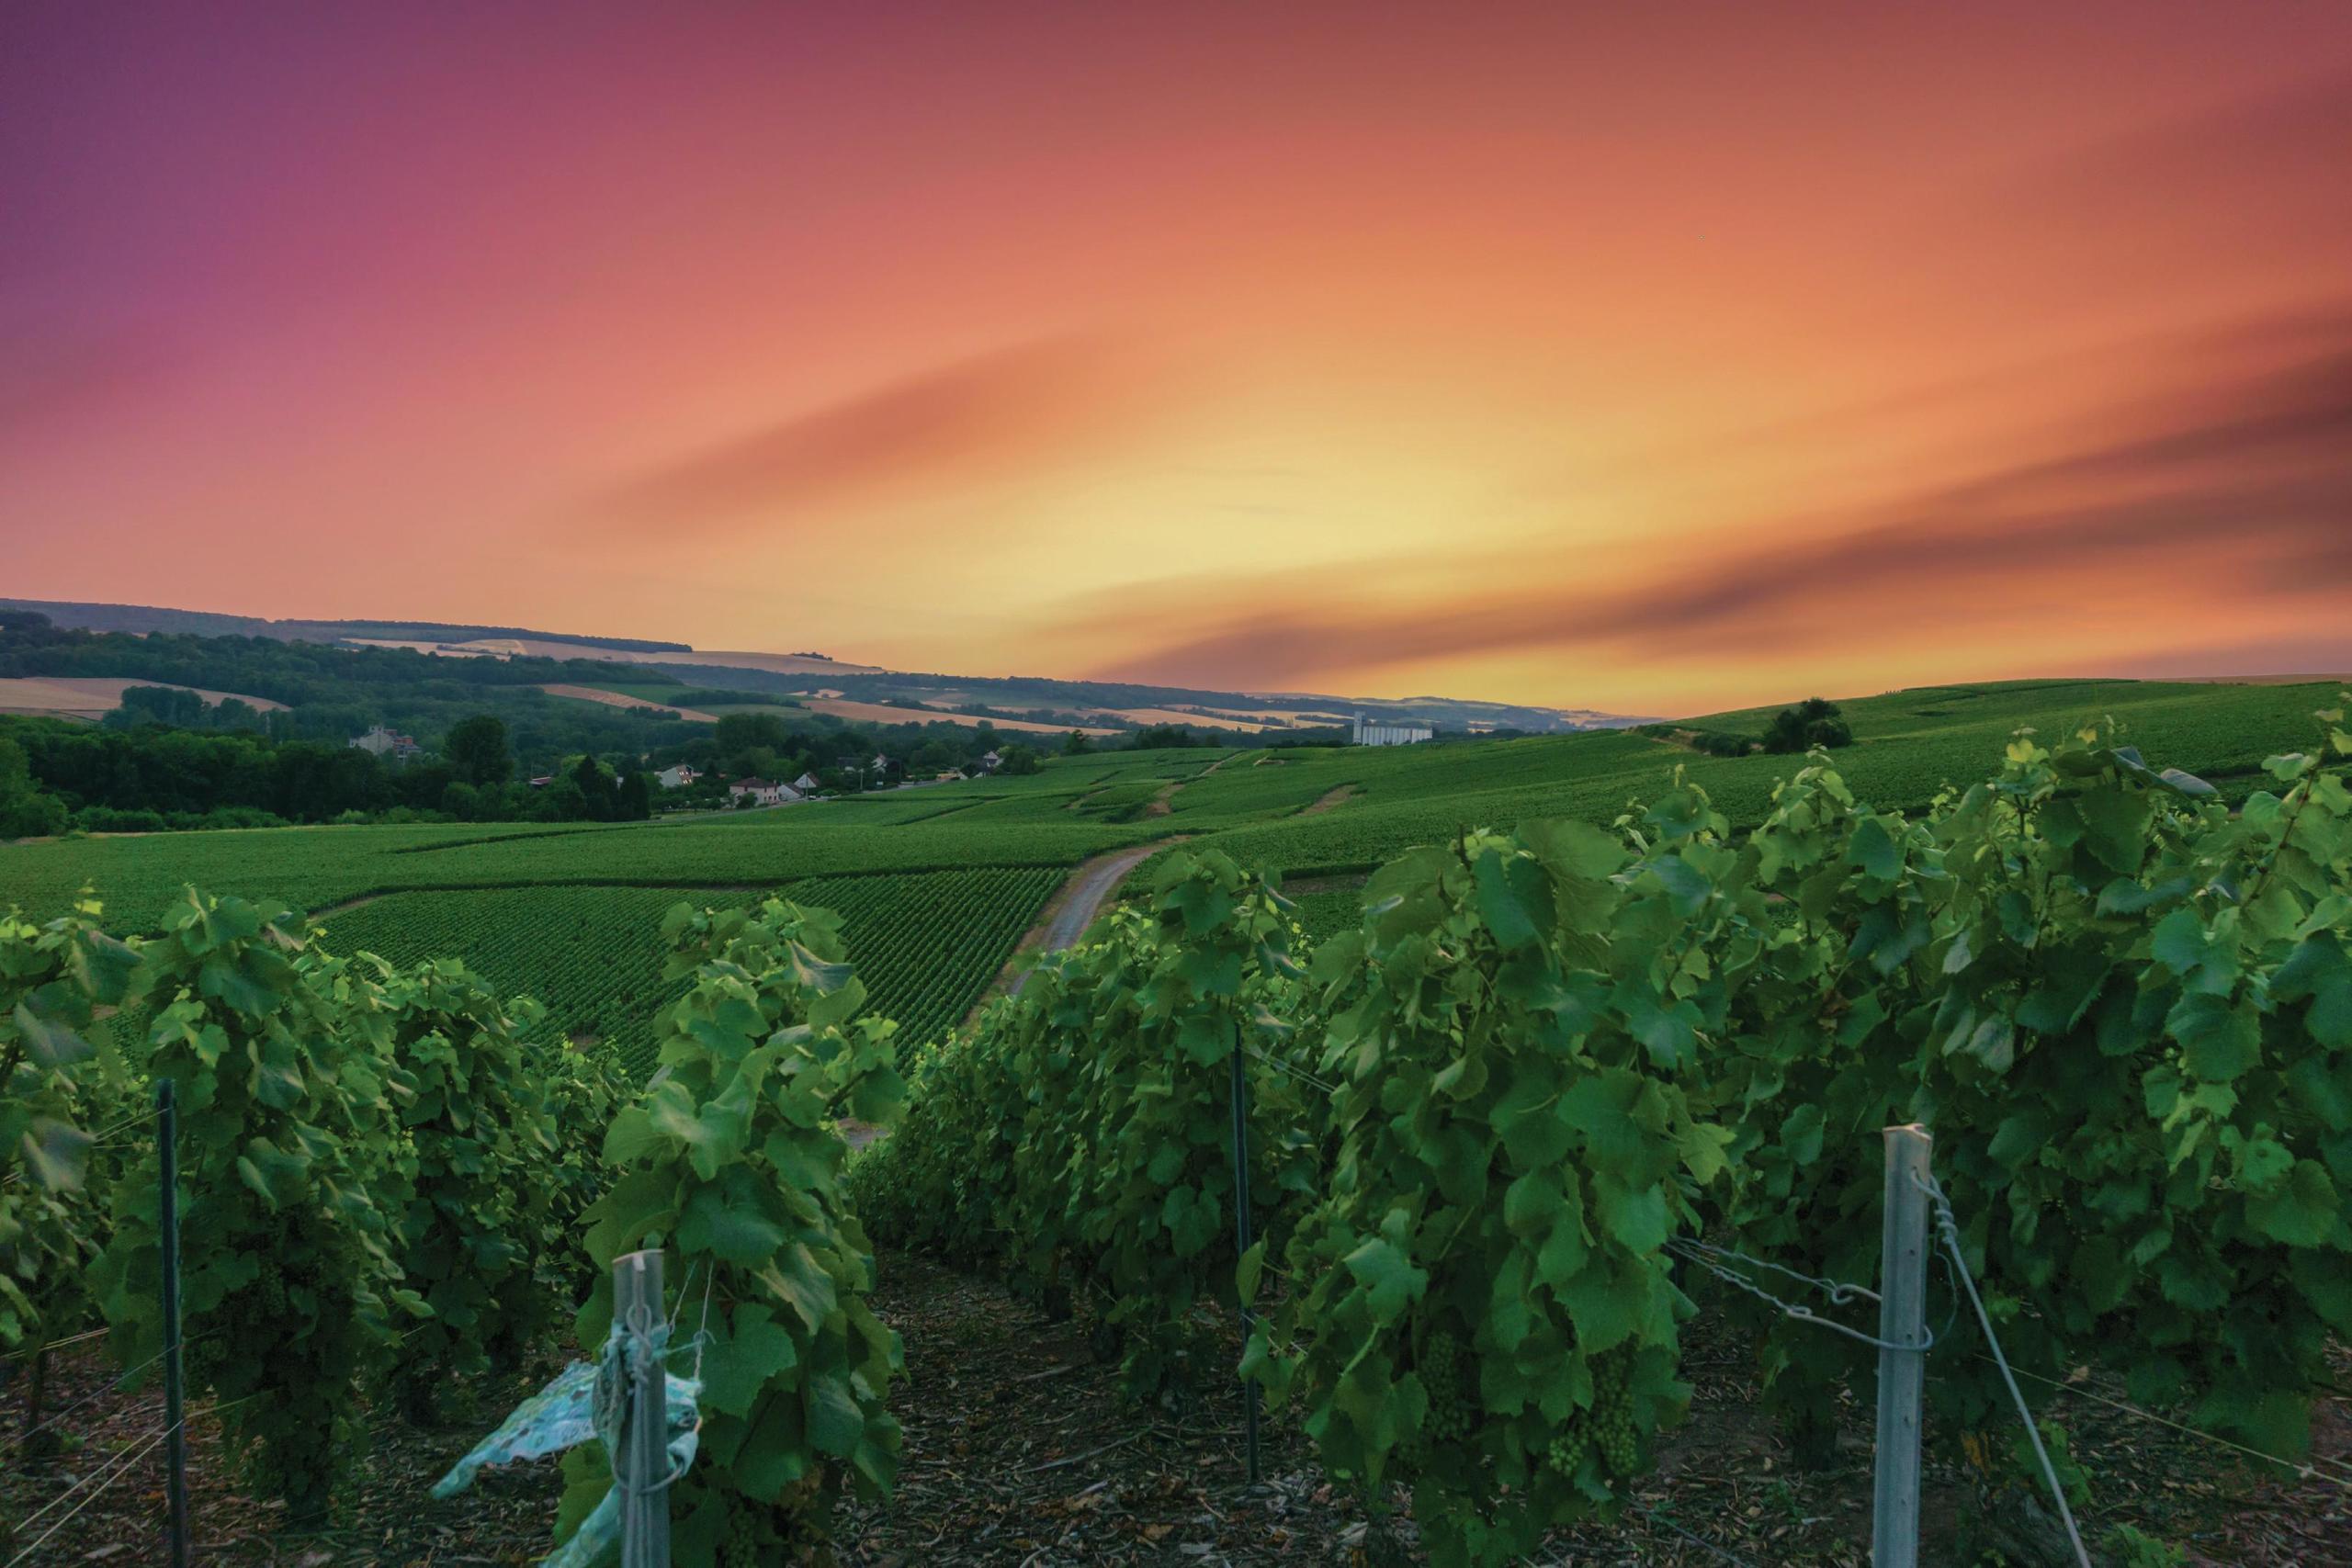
1656,358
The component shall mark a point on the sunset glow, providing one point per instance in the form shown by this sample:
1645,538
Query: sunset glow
1655,359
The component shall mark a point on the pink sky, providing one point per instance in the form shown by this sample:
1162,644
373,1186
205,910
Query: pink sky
1655,359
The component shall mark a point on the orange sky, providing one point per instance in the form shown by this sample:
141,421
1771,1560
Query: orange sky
1653,358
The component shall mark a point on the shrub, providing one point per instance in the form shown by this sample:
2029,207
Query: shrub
109,819
1812,723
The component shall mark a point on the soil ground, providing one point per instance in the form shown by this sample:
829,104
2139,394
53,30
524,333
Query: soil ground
1327,800
1020,1452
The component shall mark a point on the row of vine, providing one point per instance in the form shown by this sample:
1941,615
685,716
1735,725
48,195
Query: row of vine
1475,1125
390,1177
1481,1117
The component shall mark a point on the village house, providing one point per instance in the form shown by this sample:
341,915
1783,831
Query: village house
762,791
807,784
676,777
990,763
382,742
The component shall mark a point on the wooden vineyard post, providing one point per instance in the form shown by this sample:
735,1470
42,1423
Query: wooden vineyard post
1902,1370
1241,1236
167,1218
641,1468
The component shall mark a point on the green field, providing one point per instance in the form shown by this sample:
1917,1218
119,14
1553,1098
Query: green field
927,944
937,882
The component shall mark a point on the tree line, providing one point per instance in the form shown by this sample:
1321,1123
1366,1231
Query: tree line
494,747
147,777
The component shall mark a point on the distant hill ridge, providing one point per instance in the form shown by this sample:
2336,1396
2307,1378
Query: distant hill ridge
146,618
822,680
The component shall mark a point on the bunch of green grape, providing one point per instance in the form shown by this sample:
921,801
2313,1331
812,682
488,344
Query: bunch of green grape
1569,1444
748,1543
1613,1414
1606,1429
1443,1371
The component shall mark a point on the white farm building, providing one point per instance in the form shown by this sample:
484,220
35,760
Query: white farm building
761,791
1368,733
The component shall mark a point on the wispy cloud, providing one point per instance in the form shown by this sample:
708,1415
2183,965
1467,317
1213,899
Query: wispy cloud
2301,128
44,381
957,425
2243,487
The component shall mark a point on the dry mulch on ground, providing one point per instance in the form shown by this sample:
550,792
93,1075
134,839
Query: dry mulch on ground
1019,1451
108,1484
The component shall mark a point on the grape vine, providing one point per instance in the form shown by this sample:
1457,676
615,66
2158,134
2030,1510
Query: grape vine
731,1159
1082,1134
291,1285
55,1089
1487,1311
475,1208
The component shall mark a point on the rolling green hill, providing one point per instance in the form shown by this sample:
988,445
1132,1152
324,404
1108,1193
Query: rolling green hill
572,910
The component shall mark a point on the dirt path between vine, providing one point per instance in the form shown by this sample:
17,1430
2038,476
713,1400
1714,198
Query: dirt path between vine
1328,799
1021,1453
344,907
1162,806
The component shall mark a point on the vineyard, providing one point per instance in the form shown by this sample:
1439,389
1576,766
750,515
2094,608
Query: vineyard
928,943
1487,1127
580,950
1908,745
315,868
1451,1167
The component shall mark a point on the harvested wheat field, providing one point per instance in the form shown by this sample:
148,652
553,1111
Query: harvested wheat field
623,700
883,713
94,696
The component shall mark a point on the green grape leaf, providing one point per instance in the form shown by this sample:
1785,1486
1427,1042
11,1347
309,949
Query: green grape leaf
1635,1216
2303,1209
1388,1277
735,1231
836,1422
49,1043
800,1282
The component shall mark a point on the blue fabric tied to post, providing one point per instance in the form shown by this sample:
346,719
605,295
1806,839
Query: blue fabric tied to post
587,1401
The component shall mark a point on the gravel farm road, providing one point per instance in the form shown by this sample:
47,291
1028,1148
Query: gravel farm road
1067,915
1081,899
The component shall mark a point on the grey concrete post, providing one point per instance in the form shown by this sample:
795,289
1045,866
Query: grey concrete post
1902,1321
